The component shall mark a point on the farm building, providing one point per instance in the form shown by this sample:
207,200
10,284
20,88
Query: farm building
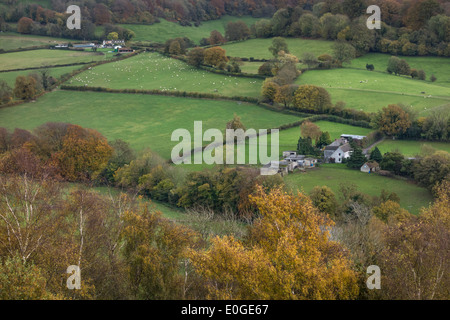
124,50
335,154
369,167
352,136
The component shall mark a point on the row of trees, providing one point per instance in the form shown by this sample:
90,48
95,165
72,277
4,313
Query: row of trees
402,122
425,34
26,87
111,237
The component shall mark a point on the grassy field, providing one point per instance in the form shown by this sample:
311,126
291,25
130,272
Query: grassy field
142,120
45,57
154,71
431,65
10,77
370,91
410,148
411,196
12,40
258,48
161,32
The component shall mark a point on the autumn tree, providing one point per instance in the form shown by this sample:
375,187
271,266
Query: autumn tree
279,260
236,123
24,25
390,210
269,90
324,199
20,281
6,92
285,94
312,98
310,130
215,37
25,87
175,48
433,169
196,56
215,56
154,249
343,51
353,8
27,224
392,120
417,253
278,44
83,154
398,66
236,31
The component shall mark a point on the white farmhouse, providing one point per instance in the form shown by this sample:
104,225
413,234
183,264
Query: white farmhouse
336,154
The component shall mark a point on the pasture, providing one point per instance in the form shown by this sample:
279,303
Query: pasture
410,148
12,40
142,120
165,30
370,91
10,77
411,196
46,57
154,71
431,65
259,48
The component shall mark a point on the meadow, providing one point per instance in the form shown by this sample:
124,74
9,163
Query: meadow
411,196
154,71
12,40
165,30
370,91
431,65
10,77
46,57
142,120
411,148
259,48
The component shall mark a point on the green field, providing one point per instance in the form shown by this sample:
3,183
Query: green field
142,120
154,71
12,40
10,77
411,196
410,148
165,30
431,65
258,48
370,91
46,57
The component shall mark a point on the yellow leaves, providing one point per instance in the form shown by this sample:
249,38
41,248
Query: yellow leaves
287,255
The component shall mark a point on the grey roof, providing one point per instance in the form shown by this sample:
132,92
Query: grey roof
331,148
346,148
353,136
